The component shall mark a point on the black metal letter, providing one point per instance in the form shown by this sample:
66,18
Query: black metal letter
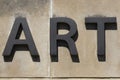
101,24
67,40
14,43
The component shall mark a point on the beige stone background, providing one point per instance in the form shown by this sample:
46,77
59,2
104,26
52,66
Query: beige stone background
38,14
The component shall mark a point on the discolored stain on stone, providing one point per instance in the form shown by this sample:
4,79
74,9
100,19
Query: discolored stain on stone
7,7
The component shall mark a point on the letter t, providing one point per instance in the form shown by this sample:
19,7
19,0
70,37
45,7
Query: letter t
101,24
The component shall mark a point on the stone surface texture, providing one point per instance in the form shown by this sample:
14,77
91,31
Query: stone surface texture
38,14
